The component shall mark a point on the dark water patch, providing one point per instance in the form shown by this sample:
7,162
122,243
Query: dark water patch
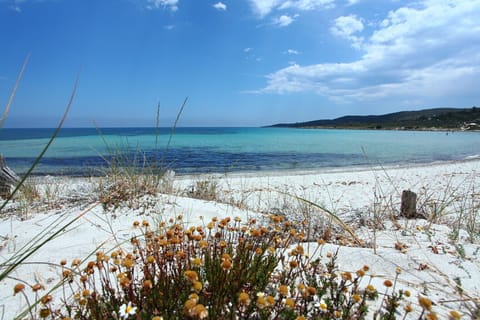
187,160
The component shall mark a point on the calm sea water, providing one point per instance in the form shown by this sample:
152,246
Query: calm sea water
199,150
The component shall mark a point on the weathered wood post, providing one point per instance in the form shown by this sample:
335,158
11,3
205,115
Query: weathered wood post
7,179
408,208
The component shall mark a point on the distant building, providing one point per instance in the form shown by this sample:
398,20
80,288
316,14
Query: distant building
470,126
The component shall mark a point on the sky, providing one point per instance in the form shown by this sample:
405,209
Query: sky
239,62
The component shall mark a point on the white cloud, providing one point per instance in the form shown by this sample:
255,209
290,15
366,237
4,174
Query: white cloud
307,4
156,4
346,27
283,20
292,51
429,51
247,49
16,5
265,7
352,2
220,6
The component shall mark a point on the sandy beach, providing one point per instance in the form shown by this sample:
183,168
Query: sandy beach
438,256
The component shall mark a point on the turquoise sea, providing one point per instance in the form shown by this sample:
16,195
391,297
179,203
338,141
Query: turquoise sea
87,151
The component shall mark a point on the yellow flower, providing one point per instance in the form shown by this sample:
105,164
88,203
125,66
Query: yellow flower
283,290
261,302
46,299
357,298
199,311
244,299
76,262
189,304
197,286
408,308
45,312
425,303
431,316
346,276
311,290
323,306
147,284
36,287
194,296
226,256
19,287
454,315
124,282
150,259
128,263
191,275
370,288
226,264
300,249
196,261
255,232
127,310
360,273
290,303
270,300
203,244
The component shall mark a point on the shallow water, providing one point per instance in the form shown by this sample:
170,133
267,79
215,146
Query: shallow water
199,150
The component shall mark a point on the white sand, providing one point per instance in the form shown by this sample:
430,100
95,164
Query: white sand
349,194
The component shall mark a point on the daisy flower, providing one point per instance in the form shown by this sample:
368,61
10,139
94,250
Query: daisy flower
127,310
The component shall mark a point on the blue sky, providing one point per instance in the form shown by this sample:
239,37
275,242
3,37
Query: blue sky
239,62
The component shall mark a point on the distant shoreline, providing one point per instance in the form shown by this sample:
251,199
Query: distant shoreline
436,119
431,129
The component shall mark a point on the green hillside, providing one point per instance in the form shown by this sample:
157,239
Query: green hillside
429,119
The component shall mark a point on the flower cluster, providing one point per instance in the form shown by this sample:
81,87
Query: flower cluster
225,268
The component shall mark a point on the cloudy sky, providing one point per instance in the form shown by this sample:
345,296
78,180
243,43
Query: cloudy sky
239,62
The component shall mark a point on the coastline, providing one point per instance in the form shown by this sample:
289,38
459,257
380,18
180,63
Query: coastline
419,129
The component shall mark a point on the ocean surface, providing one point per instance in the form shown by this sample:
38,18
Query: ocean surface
89,151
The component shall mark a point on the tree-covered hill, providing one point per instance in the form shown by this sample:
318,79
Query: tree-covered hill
439,118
